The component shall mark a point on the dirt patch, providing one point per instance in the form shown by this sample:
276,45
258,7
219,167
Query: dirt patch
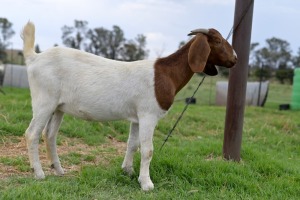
14,158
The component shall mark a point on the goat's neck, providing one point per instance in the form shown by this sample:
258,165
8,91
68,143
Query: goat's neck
176,67
172,73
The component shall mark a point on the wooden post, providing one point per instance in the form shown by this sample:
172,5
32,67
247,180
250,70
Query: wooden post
238,81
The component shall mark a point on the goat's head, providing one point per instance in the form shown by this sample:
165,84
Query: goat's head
208,49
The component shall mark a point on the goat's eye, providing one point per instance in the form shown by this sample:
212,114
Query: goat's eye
218,42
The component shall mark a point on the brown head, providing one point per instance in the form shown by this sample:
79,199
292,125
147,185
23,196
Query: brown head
209,49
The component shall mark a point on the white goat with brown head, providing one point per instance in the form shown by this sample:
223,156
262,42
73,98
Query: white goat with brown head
64,80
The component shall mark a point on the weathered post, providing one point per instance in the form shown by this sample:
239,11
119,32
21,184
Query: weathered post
238,80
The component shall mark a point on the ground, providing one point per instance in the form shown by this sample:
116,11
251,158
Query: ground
74,153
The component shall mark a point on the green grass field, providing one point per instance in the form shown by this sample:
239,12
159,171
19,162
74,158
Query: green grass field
190,166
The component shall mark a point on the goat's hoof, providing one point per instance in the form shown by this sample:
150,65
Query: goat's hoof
58,170
128,170
39,175
146,184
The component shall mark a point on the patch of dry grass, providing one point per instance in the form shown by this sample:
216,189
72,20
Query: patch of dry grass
14,159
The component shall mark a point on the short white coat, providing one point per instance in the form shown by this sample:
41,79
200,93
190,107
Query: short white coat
92,87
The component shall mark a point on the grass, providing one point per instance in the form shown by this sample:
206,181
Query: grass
190,166
15,161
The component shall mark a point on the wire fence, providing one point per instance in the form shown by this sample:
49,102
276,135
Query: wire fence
277,93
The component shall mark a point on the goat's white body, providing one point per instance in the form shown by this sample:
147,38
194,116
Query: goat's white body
92,87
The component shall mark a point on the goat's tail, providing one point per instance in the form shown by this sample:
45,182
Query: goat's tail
28,36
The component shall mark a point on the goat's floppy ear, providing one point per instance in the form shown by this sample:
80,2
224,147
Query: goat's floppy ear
210,69
198,53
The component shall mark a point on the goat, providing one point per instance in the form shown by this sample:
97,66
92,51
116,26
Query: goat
65,80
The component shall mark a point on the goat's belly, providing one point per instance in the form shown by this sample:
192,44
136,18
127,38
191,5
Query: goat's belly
106,113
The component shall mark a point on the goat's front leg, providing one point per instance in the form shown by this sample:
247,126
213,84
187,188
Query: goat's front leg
132,147
50,135
146,130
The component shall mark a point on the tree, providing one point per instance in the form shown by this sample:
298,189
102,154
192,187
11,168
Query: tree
296,59
277,54
263,73
3,56
275,57
74,36
252,56
285,74
134,49
6,33
105,42
113,45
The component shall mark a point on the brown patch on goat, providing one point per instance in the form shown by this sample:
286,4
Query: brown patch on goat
170,75
173,72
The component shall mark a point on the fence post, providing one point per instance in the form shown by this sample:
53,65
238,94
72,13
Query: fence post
238,81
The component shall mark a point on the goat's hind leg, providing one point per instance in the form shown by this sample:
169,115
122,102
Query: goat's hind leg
50,134
32,136
132,146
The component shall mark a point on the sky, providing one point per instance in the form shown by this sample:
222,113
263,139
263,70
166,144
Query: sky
165,23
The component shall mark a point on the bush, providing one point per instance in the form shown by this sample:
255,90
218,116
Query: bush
284,74
265,73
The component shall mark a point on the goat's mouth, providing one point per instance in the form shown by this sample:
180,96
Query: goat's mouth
228,64
232,64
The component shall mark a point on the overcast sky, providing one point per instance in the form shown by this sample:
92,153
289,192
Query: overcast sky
164,22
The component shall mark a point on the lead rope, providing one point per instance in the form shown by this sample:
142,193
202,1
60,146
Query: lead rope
190,99
180,116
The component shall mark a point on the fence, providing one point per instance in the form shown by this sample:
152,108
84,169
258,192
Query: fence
15,76
256,93
207,95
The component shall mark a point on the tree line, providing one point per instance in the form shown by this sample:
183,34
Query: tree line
100,41
104,42
273,59
6,32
